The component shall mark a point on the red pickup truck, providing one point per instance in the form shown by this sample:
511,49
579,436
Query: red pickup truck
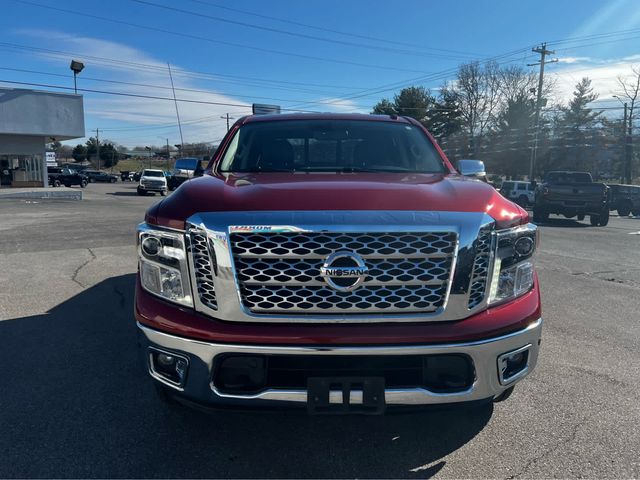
337,263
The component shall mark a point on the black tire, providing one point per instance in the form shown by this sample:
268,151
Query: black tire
523,201
141,193
581,218
636,213
162,193
91,180
113,180
504,395
83,184
603,218
56,183
68,185
540,215
594,220
624,210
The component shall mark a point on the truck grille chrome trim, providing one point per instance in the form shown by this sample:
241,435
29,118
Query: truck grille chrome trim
280,272
478,285
203,264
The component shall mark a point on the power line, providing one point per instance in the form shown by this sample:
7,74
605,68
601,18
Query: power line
212,40
324,29
299,35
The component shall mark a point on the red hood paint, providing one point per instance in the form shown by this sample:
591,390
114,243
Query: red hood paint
341,191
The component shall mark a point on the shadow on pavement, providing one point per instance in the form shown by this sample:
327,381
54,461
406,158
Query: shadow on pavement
566,223
76,402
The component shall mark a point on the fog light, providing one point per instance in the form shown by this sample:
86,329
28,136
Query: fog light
512,365
169,368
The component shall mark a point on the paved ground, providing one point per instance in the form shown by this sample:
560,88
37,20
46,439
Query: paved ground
75,402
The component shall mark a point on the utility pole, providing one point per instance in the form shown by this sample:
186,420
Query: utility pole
542,50
98,146
627,146
228,118
168,154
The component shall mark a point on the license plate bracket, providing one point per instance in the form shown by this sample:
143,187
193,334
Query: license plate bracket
345,395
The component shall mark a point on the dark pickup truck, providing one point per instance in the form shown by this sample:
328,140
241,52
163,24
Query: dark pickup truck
65,176
572,194
625,199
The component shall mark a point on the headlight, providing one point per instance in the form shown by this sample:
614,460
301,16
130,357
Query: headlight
513,269
163,264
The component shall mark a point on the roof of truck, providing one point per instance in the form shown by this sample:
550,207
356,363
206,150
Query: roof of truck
323,116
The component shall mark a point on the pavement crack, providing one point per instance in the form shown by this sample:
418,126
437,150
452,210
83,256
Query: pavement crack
84,264
570,438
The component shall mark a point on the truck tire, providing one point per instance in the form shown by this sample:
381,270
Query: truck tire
163,193
594,220
581,218
523,201
68,185
83,184
635,213
141,193
540,215
624,210
603,218
56,183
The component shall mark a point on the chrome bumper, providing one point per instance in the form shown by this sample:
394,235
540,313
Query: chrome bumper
484,353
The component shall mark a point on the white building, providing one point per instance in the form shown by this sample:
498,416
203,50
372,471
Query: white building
30,119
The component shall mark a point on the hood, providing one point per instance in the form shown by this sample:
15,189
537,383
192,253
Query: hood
336,191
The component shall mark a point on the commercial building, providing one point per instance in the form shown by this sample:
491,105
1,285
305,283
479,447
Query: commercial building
30,119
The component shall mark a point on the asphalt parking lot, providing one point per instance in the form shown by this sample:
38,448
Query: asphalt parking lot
75,401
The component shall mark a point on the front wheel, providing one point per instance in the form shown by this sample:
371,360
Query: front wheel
580,218
141,192
162,193
56,183
83,183
636,213
603,218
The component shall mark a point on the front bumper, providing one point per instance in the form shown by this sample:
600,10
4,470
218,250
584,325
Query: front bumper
198,385
152,188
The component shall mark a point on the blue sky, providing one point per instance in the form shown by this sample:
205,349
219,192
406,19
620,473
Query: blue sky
238,57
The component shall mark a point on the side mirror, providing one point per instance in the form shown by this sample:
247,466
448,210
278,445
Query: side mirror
472,168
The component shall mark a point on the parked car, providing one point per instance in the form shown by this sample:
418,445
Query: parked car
65,176
184,169
337,263
137,175
523,193
98,176
572,194
625,199
152,181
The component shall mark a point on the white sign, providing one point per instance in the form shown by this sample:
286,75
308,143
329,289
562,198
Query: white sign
51,158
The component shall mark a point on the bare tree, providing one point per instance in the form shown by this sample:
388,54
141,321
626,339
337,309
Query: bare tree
477,90
630,90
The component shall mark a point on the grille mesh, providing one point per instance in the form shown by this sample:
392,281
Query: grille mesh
204,268
279,272
480,268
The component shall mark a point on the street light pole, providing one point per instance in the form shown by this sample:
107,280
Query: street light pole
228,118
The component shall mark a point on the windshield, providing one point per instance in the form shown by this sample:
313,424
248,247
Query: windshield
568,177
153,173
331,146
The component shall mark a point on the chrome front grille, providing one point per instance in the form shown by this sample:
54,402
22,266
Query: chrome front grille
478,285
203,267
280,272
